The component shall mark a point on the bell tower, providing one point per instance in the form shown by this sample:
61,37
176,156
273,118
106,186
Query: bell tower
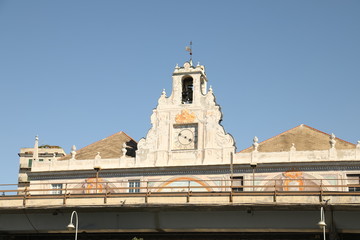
189,84
186,127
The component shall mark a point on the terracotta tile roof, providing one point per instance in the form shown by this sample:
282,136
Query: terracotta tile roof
109,147
304,137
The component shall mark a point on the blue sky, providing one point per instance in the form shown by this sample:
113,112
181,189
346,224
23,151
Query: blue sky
74,72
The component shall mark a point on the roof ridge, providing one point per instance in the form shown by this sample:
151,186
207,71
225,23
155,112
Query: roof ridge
81,149
301,125
275,136
328,134
128,136
98,141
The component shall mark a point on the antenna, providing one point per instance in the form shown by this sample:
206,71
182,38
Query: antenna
189,49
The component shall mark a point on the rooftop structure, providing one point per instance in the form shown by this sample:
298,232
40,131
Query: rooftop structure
187,159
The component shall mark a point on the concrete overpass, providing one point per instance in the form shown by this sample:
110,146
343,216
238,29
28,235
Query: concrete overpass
182,215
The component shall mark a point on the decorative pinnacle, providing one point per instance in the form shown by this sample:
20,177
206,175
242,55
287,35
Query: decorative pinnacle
73,152
124,150
293,148
332,140
255,143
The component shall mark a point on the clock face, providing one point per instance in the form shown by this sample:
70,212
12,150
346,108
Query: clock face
185,137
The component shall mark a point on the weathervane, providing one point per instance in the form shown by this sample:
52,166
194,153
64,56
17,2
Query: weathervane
189,49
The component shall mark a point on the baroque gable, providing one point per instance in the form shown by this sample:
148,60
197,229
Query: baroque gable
186,127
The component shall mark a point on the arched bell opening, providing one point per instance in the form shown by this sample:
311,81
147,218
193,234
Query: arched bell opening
187,90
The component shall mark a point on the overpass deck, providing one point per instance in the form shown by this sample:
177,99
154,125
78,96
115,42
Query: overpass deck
237,214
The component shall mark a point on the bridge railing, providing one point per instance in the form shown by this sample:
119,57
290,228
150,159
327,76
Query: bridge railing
186,188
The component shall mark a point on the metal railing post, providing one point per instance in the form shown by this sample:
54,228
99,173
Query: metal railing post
65,193
275,183
231,190
321,191
106,193
147,192
25,195
188,195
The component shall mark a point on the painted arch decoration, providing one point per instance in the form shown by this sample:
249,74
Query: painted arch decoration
89,186
293,181
184,184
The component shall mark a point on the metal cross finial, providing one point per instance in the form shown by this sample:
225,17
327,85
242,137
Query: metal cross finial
189,49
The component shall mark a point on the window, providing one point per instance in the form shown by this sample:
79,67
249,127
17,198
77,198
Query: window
57,188
354,182
134,186
237,183
30,163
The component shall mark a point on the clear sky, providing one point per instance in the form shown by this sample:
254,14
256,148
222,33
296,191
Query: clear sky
74,72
